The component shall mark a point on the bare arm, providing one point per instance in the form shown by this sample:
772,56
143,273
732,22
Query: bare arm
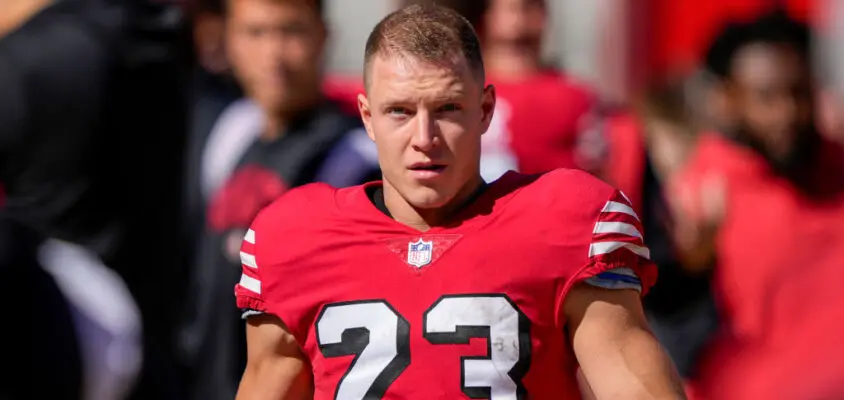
619,357
276,369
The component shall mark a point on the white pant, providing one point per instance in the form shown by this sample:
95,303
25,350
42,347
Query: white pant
106,319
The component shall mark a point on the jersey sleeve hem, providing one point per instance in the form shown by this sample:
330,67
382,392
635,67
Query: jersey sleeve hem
257,292
616,279
245,313
249,292
247,303
588,271
615,243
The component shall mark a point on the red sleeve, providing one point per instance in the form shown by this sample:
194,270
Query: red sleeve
263,262
617,242
248,291
605,238
273,249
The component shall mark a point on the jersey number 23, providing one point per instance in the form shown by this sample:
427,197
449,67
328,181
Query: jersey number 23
379,338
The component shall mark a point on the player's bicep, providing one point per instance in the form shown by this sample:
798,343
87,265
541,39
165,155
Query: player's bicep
618,355
619,309
598,322
276,368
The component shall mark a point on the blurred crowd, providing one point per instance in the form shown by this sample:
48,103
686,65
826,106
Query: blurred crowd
139,138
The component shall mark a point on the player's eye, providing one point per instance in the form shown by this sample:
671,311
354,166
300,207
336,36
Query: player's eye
398,111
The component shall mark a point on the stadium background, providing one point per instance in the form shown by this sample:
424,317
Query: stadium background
622,50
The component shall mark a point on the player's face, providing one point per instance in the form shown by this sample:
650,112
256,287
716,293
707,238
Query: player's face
426,121
275,47
517,22
772,97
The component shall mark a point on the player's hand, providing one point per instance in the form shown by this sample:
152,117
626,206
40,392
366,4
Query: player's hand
698,211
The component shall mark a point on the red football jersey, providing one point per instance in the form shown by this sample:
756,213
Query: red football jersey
473,309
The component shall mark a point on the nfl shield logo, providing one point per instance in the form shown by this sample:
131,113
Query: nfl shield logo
419,253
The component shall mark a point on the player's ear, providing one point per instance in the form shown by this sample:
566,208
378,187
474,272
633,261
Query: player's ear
365,115
487,107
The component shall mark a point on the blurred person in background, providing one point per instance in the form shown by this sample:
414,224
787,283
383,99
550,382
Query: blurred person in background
763,202
831,102
287,134
649,146
832,57
213,96
544,118
80,80
18,257
208,31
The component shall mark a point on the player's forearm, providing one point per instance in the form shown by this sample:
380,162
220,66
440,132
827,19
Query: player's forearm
639,369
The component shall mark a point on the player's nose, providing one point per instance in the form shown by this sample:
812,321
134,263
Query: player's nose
426,135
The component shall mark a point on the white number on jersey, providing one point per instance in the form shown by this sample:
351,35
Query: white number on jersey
456,319
380,340
378,337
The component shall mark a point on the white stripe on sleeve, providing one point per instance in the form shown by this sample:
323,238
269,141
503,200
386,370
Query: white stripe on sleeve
250,236
622,228
248,260
599,248
249,283
614,206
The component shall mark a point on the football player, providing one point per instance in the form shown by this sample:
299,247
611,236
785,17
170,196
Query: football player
433,284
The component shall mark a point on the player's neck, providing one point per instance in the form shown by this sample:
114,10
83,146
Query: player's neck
425,219
511,62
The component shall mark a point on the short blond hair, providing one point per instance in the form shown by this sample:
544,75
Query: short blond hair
428,32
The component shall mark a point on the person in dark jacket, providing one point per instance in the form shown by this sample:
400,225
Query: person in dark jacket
284,134
93,179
